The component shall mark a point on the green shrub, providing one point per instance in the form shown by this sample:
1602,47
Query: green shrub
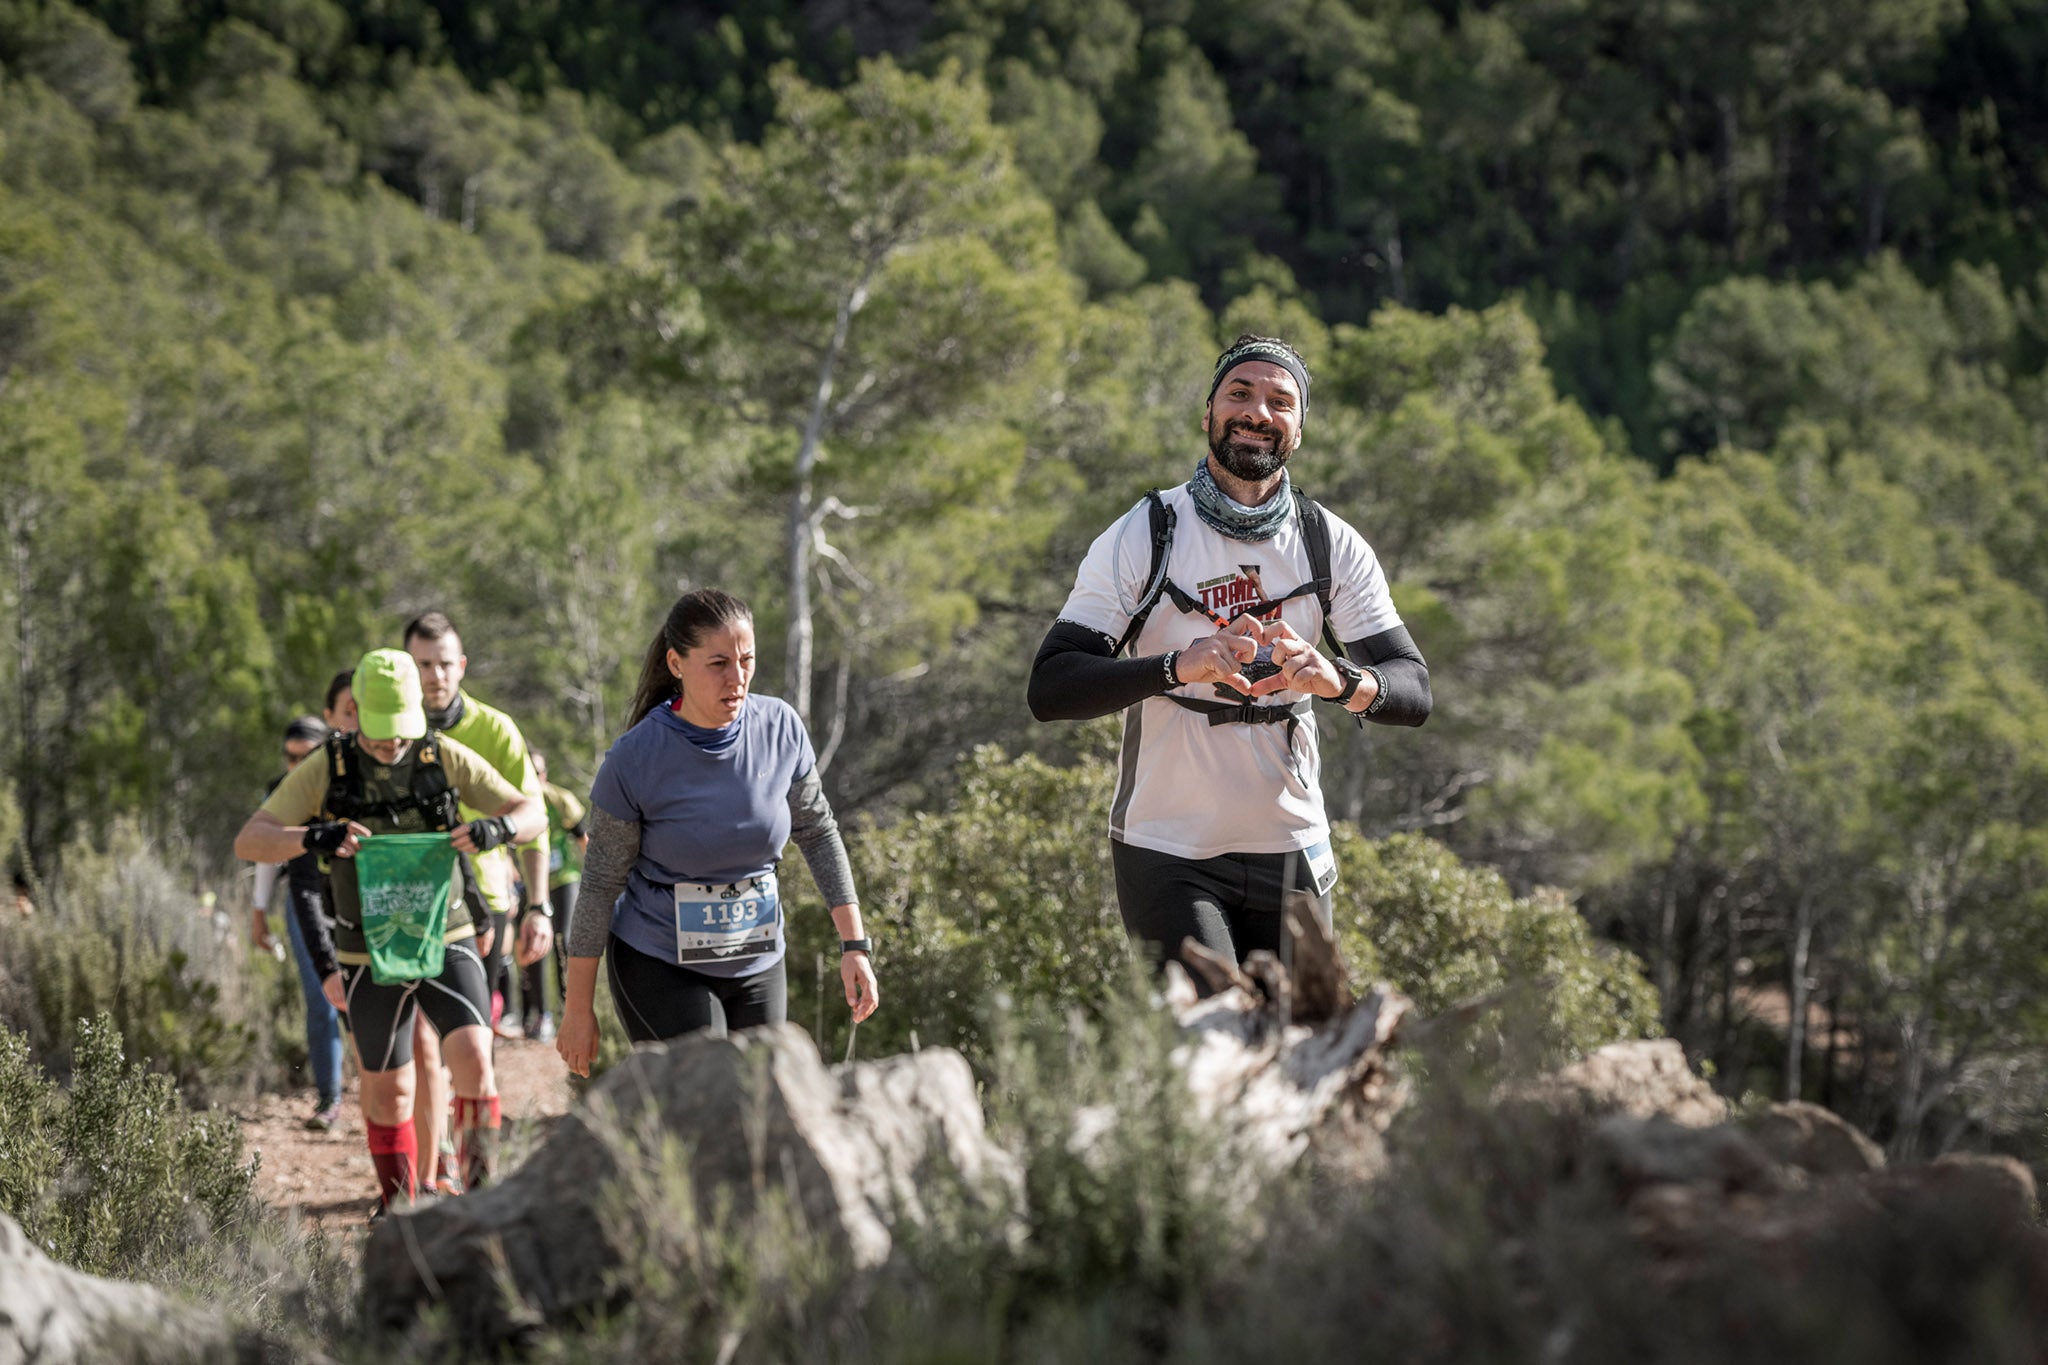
122,935
1409,912
116,1177
1007,895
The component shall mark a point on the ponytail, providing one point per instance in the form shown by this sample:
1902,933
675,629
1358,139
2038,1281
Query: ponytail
693,614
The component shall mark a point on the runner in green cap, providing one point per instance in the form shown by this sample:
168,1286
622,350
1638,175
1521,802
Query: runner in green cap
402,949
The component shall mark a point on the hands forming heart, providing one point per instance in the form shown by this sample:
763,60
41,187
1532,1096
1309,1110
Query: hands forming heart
1221,658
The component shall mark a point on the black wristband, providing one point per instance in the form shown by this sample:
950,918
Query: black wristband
490,832
1172,662
1379,698
856,945
325,836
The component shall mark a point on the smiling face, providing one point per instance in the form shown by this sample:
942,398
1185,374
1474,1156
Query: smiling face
1254,421
385,751
715,675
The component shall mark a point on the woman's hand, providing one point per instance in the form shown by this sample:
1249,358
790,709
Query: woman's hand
577,1041
857,974
330,986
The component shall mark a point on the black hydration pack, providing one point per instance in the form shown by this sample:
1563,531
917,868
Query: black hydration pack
430,807
1315,534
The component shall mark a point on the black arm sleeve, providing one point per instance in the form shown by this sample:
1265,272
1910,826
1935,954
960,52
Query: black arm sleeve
1394,654
306,901
1074,676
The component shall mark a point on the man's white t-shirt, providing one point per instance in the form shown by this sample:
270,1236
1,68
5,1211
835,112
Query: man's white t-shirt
1184,786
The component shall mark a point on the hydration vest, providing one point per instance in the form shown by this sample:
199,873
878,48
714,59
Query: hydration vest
430,807
1315,535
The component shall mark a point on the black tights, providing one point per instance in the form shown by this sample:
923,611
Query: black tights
1229,904
658,1000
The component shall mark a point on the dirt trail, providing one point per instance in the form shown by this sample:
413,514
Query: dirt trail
327,1176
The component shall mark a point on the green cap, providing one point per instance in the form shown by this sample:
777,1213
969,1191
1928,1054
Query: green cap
387,692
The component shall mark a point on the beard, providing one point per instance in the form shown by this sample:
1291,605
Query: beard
1251,461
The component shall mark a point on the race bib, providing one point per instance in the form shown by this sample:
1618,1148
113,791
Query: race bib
1322,865
727,923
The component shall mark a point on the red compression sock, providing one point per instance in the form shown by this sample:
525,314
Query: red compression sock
394,1151
477,1122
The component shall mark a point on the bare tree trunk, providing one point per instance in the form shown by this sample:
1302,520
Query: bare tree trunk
1731,210
1827,1075
1795,1028
20,529
1874,195
797,652
1390,252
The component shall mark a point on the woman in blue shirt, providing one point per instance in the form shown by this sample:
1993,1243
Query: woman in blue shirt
688,818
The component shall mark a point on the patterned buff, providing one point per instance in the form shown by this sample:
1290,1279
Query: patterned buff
1227,516
1272,353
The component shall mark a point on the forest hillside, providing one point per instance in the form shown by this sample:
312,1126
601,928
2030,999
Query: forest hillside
1683,363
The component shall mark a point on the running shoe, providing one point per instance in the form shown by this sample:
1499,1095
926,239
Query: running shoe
541,1028
324,1118
509,1027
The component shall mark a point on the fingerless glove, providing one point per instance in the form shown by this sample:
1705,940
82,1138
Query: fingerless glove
325,836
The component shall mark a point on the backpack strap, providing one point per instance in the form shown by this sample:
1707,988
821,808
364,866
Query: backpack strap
431,790
1155,581
344,781
1315,536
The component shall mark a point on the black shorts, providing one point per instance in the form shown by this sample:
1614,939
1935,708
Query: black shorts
381,1017
1229,904
658,1000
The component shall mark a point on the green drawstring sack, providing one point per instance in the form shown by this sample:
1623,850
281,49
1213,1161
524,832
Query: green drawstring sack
403,882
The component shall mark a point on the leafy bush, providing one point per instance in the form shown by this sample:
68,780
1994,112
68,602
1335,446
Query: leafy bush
1008,895
1408,911
120,936
116,1177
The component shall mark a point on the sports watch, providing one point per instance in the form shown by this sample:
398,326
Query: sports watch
1353,676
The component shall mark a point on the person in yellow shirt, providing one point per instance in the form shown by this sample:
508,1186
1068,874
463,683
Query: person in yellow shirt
566,842
394,776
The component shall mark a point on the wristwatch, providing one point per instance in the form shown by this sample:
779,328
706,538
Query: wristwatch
541,908
856,945
1353,676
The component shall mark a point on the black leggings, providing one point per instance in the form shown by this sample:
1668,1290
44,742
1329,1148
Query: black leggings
380,1017
658,1000
1229,904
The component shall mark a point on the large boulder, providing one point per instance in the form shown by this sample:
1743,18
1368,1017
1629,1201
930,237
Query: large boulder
53,1315
1809,1138
755,1120
1641,1079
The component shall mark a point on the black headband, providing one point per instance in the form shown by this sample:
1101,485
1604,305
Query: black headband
1272,353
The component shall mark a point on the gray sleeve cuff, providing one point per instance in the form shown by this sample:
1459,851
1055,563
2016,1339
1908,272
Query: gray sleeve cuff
816,834
614,844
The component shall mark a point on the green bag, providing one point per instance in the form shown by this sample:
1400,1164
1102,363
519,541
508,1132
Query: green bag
403,882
